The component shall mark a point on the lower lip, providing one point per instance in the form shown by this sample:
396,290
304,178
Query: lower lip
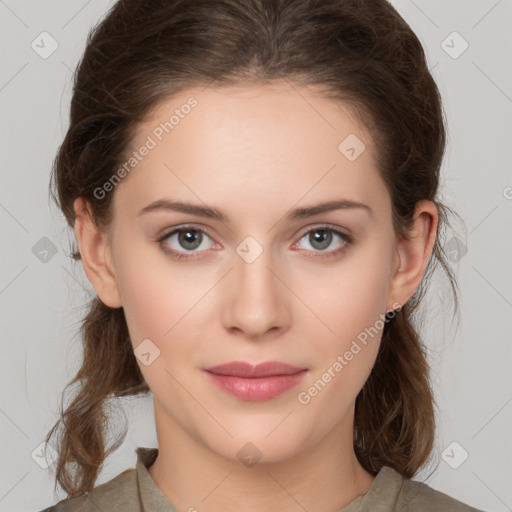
256,389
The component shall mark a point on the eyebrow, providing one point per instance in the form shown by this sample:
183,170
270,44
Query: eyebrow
298,213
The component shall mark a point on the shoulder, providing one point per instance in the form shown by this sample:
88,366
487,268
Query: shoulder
117,495
419,496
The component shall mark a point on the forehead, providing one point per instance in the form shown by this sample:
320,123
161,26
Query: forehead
251,143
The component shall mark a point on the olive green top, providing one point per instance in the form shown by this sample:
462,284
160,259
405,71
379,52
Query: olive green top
135,491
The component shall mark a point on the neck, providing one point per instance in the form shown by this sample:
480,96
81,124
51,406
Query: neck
324,477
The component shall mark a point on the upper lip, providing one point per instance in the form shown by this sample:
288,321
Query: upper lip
248,370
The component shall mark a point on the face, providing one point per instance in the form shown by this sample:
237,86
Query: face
268,278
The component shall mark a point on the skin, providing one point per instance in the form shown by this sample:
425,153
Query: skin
255,152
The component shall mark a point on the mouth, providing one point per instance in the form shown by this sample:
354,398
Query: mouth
255,382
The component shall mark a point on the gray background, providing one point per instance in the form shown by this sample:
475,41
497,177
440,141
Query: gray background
42,295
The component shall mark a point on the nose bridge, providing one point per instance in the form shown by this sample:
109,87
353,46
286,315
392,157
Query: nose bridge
256,303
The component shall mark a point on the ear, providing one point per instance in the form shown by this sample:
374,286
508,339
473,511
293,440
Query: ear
96,255
413,253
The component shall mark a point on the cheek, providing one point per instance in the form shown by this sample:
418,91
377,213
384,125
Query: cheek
351,302
353,309
156,293
349,297
147,310
156,306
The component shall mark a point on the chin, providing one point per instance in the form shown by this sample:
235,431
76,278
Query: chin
256,446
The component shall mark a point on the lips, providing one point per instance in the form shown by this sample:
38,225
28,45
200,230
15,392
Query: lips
247,370
255,382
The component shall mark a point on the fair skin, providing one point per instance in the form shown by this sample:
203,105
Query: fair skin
255,153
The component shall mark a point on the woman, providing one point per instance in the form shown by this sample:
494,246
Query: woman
253,188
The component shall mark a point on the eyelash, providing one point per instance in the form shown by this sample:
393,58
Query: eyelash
181,256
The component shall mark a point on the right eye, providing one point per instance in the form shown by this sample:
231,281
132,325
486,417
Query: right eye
180,241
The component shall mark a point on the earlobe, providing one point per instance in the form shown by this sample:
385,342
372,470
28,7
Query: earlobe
96,255
413,252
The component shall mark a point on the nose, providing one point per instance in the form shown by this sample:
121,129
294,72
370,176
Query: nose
257,304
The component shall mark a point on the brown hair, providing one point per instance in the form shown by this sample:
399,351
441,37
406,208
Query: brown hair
358,51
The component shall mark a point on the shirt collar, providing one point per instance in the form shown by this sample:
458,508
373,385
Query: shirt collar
152,499
383,493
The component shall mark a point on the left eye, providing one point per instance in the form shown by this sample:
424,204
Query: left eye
319,239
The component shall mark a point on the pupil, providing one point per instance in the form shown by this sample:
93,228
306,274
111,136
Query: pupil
321,237
189,239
